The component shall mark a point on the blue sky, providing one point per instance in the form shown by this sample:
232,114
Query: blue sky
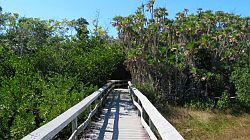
73,9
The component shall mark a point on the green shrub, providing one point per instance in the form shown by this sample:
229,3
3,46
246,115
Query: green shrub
224,101
241,76
241,79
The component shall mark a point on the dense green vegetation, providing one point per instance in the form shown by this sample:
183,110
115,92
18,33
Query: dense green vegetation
200,59
44,69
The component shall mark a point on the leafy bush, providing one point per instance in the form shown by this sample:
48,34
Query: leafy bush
241,79
224,101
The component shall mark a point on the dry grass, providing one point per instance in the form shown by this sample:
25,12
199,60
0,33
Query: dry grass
209,125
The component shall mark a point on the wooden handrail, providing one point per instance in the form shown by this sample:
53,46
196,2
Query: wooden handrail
152,120
49,130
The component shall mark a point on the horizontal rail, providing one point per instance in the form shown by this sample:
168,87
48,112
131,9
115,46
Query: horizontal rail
152,120
49,130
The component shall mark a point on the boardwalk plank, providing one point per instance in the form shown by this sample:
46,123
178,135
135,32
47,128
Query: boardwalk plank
118,120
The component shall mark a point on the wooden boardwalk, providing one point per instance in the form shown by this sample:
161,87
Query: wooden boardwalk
118,120
118,117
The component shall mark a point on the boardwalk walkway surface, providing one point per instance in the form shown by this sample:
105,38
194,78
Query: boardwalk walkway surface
118,120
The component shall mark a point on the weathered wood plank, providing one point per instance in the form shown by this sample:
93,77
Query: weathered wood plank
119,120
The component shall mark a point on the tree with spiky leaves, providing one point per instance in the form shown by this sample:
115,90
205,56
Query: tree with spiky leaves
199,49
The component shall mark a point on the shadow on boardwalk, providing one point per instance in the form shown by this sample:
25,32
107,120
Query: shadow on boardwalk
118,120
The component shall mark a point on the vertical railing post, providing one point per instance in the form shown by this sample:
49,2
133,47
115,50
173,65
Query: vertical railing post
102,98
90,108
97,101
98,104
74,125
131,93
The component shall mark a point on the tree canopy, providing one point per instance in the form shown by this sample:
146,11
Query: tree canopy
45,69
192,57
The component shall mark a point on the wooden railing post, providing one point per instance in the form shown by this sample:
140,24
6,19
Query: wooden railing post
74,125
90,108
101,97
96,103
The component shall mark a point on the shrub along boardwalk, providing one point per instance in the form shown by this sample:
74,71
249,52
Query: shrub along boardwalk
119,120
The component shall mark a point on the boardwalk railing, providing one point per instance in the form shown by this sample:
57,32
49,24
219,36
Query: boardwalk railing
49,130
152,120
